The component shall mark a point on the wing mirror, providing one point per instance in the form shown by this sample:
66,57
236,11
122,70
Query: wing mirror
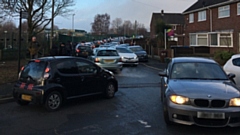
162,73
231,76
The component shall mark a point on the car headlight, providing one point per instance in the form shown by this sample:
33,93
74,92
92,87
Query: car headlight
179,99
234,102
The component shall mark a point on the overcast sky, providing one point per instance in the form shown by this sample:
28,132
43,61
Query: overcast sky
139,10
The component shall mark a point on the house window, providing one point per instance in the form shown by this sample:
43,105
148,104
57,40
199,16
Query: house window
202,39
191,18
202,15
225,39
224,11
192,39
238,8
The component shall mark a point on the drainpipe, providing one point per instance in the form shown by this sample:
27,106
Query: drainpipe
210,19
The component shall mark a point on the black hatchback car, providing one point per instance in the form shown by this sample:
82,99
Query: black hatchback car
83,51
51,80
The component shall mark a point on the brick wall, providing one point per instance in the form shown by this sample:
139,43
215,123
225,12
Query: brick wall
218,24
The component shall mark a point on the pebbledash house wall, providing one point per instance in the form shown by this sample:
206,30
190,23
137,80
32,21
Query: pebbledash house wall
228,23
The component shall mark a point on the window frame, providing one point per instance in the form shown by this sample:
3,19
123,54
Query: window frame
238,8
224,9
202,16
191,18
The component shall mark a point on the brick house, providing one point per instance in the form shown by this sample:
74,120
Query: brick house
213,23
176,20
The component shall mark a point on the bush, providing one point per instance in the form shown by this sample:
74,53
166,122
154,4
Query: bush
222,56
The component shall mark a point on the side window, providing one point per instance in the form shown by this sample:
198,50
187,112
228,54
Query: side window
168,68
86,67
67,67
236,62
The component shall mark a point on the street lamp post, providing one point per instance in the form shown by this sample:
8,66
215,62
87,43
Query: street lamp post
72,26
5,40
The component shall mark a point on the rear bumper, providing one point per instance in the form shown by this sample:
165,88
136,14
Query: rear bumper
36,95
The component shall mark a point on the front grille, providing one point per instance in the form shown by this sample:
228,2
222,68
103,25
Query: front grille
210,122
210,103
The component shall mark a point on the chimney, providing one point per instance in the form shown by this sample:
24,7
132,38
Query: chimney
162,12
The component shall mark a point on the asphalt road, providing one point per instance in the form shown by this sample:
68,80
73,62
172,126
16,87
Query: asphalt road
135,110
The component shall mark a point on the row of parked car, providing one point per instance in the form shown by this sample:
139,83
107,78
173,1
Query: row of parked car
113,56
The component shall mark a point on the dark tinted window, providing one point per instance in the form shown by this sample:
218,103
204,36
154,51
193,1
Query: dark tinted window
123,50
82,48
107,53
33,70
236,62
135,49
67,67
86,67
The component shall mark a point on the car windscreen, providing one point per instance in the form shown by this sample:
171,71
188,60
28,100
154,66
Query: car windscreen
33,71
107,53
198,70
135,49
123,50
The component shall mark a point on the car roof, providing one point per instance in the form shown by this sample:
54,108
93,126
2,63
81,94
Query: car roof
192,59
106,48
134,46
56,58
235,56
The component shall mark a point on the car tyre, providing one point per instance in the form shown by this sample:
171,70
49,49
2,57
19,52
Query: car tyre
165,114
53,101
22,103
110,90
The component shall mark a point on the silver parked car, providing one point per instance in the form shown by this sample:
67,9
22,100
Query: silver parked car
128,57
107,58
196,91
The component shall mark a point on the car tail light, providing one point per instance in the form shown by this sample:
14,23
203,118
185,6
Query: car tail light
37,61
46,73
22,68
96,60
120,60
47,70
78,50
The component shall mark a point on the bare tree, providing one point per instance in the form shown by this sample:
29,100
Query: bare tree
101,24
38,11
127,27
116,24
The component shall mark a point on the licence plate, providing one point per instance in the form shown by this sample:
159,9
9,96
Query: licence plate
108,61
26,97
210,115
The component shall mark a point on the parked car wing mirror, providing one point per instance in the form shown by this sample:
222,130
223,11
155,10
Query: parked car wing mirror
231,75
162,73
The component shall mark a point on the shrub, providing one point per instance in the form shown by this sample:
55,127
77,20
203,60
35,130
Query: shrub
222,56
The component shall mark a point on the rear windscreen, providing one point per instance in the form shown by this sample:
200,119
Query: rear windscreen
33,71
107,53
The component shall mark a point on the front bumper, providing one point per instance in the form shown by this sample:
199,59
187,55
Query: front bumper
188,115
35,95
143,57
130,61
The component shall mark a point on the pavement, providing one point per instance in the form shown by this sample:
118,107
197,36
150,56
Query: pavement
6,89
